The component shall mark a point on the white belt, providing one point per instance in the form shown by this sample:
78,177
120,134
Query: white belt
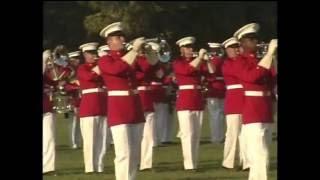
165,86
92,90
183,87
235,86
219,78
156,83
122,92
257,93
144,88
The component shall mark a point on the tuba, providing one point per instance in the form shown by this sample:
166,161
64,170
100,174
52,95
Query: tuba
58,65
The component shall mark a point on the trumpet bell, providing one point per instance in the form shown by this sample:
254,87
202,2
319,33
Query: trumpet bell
161,47
165,57
262,49
165,52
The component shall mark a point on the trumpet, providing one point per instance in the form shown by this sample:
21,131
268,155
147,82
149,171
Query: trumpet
262,50
50,65
163,53
208,54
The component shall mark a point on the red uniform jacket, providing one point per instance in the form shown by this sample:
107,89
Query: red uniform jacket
62,73
119,75
159,86
144,74
255,78
189,99
74,91
216,85
92,104
233,103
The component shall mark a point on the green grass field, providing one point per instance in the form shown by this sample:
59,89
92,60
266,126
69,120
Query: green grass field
167,161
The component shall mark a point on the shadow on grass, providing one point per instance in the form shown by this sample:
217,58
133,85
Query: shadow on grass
211,178
273,166
66,148
205,142
204,166
80,171
168,144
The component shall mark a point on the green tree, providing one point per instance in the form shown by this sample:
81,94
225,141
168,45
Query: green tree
76,22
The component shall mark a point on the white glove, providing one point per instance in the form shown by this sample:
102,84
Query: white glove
202,52
130,57
137,44
96,70
159,74
273,45
196,62
206,57
266,61
77,82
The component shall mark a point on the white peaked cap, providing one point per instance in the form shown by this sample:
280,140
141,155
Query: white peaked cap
186,41
249,28
104,48
74,54
102,53
89,46
229,42
117,26
154,46
214,45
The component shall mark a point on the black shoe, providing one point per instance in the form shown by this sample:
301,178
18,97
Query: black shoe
50,173
146,170
192,170
247,169
227,168
167,142
89,173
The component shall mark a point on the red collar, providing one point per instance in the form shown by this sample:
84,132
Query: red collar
116,53
186,59
90,64
249,54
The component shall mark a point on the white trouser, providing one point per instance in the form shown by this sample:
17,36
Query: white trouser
109,137
243,146
216,119
93,130
147,141
275,118
258,138
127,145
170,126
232,142
163,122
190,123
48,142
74,129
178,133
